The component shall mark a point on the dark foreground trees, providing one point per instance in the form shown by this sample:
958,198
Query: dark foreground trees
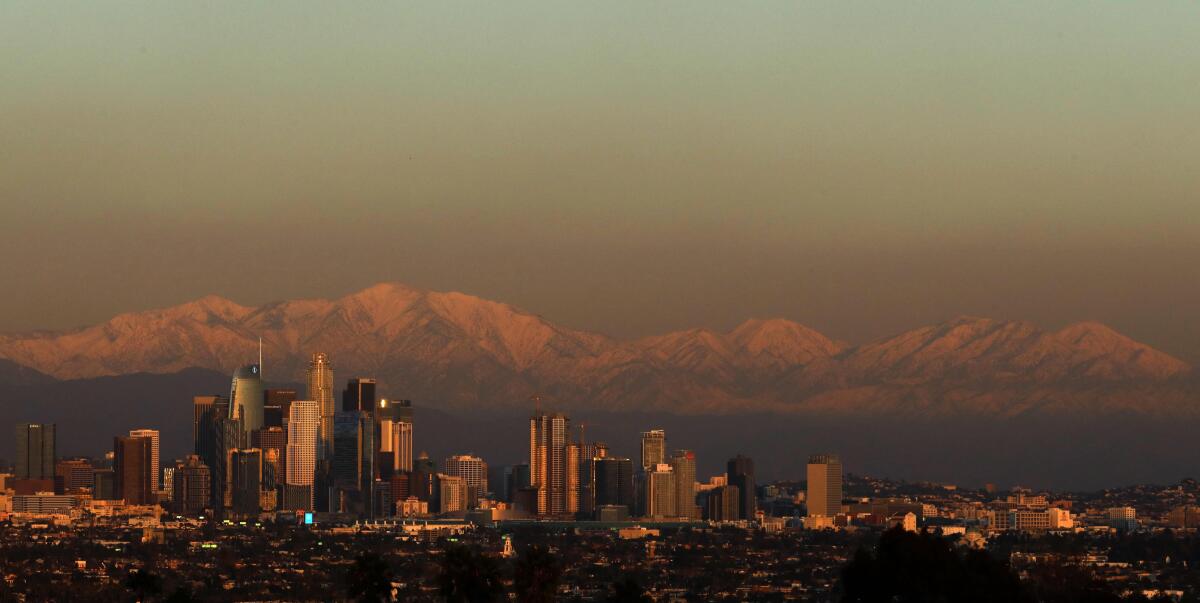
911,567
469,576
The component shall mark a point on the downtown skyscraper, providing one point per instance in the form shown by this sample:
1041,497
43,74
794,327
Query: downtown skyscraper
155,471
824,485
246,399
304,425
654,449
36,451
550,471
320,390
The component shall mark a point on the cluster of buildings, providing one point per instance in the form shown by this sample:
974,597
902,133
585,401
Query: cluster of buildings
260,450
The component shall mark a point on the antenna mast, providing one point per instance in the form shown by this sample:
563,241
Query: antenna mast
260,367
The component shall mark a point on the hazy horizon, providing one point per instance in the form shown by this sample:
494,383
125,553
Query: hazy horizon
629,169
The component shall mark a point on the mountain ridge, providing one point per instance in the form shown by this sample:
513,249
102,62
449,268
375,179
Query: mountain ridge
463,351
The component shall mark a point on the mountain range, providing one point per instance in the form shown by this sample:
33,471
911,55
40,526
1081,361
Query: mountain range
457,351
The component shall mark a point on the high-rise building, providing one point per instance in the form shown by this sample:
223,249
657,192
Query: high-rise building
614,482
824,495
739,471
550,471
473,470
77,475
131,466
36,451
152,435
683,463
722,504
359,395
246,398
245,480
320,390
277,402
167,479
271,439
654,448
192,489
304,425
452,493
516,478
206,411
660,492
353,451
395,434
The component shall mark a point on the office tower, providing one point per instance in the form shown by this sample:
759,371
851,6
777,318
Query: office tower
739,471
206,411
276,404
660,492
402,446
36,451
516,478
654,448
352,450
683,463
359,395
722,503
133,480
304,425
245,479
614,482
572,478
152,435
77,475
423,481
246,398
453,493
192,490
548,469
824,495
474,472
168,483
104,484
497,482
320,390
271,439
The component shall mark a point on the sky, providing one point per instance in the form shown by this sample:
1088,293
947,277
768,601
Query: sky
624,167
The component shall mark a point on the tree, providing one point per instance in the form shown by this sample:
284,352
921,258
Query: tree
536,575
469,576
628,590
369,579
910,567
143,583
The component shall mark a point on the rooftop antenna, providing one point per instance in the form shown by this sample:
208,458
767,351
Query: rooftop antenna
537,404
260,368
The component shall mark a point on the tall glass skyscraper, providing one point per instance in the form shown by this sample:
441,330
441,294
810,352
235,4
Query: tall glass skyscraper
246,398
740,472
550,471
36,451
155,473
320,390
654,448
304,424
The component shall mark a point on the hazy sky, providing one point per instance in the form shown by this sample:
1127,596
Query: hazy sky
862,167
